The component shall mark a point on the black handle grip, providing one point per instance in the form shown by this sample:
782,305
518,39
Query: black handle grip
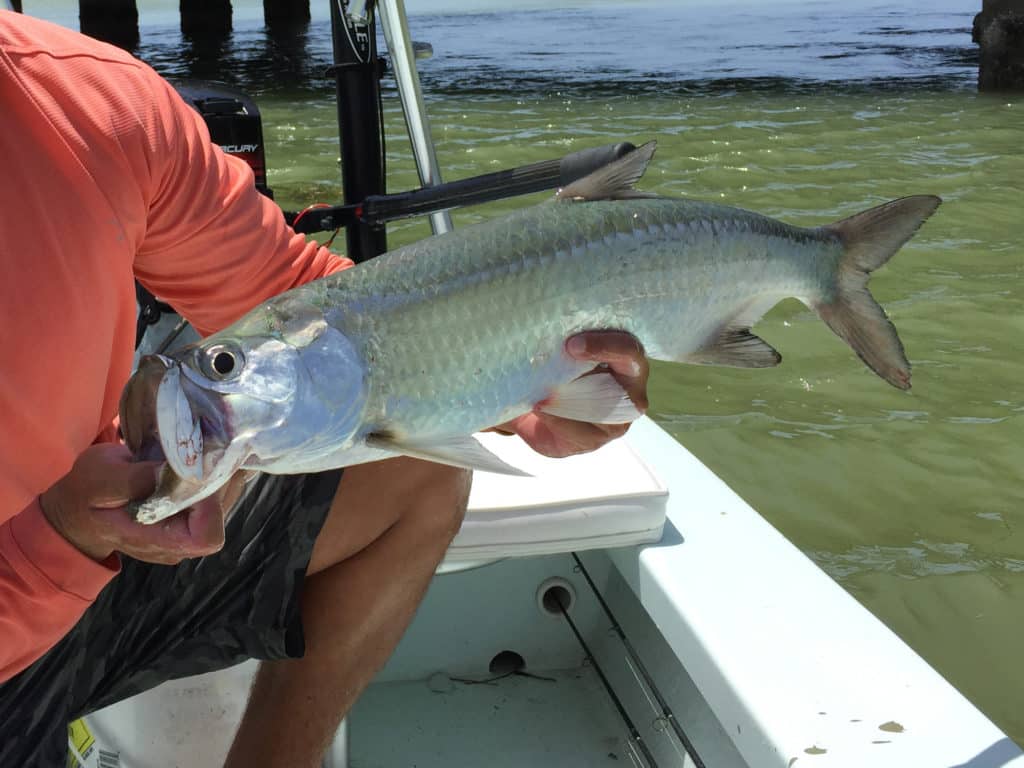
536,177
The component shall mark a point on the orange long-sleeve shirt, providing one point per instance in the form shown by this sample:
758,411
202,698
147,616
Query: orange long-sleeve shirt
107,175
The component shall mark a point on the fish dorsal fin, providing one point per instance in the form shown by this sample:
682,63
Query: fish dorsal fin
596,398
737,348
459,451
613,181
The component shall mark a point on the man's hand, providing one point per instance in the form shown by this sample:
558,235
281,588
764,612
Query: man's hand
554,436
87,507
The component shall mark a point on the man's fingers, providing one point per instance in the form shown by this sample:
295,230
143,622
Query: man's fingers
205,523
623,354
137,481
113,479
196,531
88,507
621,351
557,437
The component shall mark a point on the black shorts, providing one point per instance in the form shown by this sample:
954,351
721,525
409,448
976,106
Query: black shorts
157,622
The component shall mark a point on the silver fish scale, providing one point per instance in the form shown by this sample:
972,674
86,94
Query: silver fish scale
495,301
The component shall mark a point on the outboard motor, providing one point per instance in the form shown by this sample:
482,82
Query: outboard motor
234,122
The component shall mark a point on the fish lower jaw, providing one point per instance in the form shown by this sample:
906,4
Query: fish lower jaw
173,493
153,510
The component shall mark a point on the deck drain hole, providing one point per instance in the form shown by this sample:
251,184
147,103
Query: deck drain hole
503,665
507,663
554,595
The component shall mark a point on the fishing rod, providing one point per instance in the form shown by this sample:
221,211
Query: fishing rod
536,177
358,70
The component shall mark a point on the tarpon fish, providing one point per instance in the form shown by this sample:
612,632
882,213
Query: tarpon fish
414,351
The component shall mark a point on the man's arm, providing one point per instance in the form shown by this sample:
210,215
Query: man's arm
82,521
214,247
208,242
37,607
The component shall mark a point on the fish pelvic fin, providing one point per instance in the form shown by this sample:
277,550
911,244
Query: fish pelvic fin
460,451
597,398
613,181
869,240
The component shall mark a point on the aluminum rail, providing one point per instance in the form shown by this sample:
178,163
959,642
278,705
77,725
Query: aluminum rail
403,61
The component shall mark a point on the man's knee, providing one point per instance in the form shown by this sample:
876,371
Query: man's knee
426,499
437,498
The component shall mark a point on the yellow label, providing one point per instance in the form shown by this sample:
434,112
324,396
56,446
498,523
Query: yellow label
81,738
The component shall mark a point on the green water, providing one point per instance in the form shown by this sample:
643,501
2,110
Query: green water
914,501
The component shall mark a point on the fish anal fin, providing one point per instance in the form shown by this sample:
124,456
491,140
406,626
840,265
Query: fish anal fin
596,398
613,181
460,451
736,347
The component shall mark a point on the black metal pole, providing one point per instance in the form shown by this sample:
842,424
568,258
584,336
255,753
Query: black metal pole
357,72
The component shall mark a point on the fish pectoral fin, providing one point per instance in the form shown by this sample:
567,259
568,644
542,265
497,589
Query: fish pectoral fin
596,398
462,451
613,181
738,348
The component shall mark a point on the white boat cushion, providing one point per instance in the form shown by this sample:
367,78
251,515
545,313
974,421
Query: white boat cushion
607,498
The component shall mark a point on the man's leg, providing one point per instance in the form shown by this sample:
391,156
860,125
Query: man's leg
388,528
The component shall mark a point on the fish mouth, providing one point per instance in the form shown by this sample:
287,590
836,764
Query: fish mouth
164,417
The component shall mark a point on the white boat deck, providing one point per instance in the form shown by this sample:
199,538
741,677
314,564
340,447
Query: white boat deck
566,720
761,658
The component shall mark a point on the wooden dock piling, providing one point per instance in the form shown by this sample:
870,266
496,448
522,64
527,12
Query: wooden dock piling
285,13
113,21
999,32
205,18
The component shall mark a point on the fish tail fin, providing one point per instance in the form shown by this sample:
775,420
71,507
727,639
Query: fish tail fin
869,239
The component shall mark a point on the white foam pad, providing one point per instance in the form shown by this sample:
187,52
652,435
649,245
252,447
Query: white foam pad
607,498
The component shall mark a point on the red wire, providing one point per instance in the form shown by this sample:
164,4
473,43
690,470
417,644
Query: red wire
330,240
307,209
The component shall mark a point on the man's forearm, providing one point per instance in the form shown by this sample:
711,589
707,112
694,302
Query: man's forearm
46,584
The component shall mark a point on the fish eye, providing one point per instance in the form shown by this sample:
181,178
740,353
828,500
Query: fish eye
222,362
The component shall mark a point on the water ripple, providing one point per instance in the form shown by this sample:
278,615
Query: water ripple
925,558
